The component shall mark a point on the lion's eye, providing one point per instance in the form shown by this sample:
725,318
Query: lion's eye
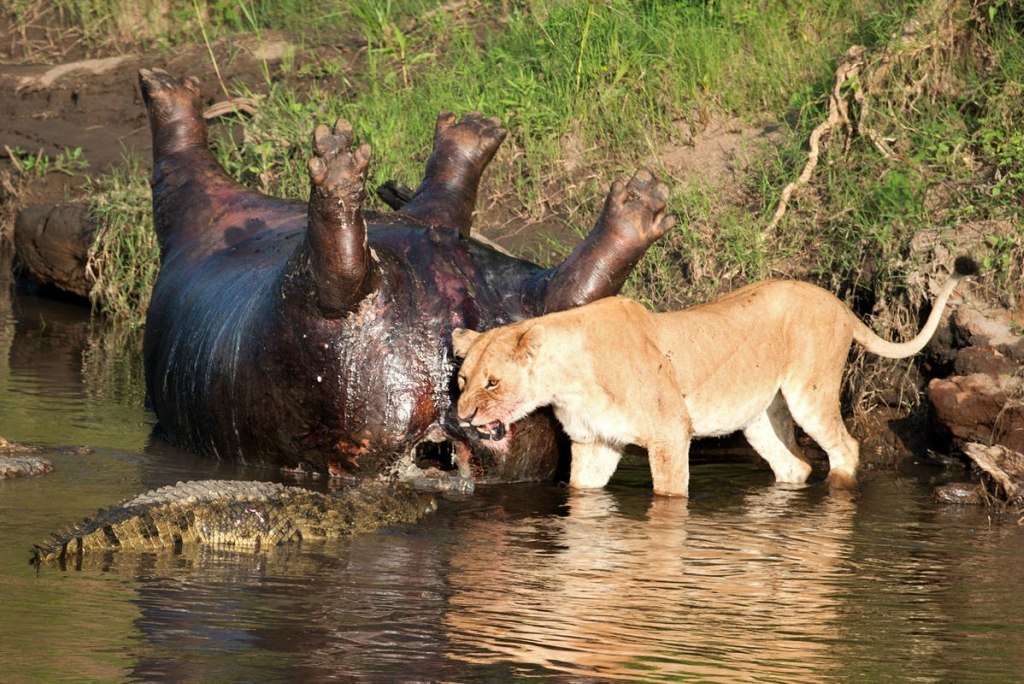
491,383
462,382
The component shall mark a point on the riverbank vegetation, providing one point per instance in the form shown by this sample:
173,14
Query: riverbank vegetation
870,141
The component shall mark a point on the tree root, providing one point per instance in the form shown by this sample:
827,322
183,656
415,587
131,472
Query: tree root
893,79
850,67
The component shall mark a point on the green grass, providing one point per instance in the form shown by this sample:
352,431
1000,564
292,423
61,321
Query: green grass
70,161
124,260
103,26
616,77
590,91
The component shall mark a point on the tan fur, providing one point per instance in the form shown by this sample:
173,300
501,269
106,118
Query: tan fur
617,374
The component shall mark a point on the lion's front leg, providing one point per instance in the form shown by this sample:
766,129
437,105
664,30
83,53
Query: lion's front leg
593,464
670,466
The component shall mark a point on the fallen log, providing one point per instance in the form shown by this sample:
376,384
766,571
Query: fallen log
1004,466
52,244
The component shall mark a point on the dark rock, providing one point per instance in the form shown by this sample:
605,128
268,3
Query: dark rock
984,360
976,325
963,493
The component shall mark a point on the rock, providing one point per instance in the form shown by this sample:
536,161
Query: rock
980,408
18,459
984,401
983,360
19,466
976,325
961,493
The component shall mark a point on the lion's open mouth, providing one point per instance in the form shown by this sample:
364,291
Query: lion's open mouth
494,430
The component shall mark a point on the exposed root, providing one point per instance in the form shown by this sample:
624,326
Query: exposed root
850,67
874,91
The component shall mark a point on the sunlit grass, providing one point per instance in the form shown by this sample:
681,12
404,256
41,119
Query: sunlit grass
590,91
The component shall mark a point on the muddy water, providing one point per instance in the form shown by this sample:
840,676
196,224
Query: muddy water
748,581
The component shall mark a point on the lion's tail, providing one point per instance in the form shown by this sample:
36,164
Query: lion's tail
964,266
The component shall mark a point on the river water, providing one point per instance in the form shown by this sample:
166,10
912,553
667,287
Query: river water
748,581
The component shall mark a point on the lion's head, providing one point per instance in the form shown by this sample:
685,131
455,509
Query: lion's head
496,382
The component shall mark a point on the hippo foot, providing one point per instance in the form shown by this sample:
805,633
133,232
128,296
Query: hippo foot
336,243
462,150
634,212
474,139
336,172
175,110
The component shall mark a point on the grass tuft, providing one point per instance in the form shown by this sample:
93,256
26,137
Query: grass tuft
124,259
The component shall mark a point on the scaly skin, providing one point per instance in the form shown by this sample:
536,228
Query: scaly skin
240,515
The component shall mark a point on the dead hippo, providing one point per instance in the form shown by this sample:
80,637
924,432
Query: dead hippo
318,335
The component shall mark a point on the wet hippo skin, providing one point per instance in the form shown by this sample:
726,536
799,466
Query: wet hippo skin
318,334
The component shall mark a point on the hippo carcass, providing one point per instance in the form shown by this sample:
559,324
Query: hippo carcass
318,335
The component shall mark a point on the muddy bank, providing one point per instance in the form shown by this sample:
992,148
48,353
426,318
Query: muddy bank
61,123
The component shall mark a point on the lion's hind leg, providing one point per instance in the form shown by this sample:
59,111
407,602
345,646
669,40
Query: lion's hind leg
772,436
816,410
593,464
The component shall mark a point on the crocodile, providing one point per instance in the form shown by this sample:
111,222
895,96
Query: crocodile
18,459
242,515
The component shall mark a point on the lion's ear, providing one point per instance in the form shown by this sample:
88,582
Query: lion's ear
530,341
462,340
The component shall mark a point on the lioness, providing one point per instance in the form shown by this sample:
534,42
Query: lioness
616,374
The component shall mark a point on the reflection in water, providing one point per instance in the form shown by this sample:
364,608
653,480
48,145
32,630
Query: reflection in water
936,586
679,591
64,379
747,581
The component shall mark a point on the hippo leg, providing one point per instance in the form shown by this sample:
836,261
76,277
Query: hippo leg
336,255
447,195
632,219
190,188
